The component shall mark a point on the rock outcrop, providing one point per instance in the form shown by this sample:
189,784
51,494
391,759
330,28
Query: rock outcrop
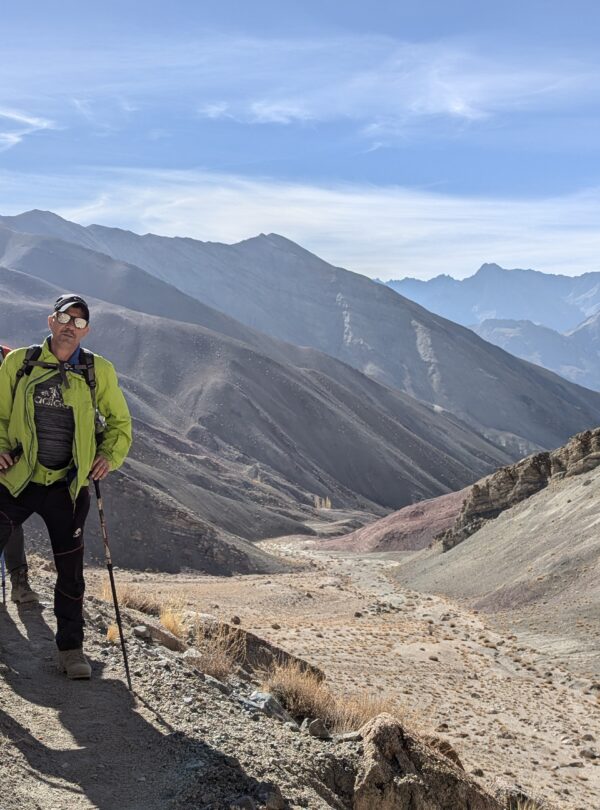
397,772
509,485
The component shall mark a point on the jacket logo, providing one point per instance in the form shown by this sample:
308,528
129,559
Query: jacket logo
50,397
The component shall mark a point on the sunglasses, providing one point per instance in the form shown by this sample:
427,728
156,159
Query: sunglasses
64,317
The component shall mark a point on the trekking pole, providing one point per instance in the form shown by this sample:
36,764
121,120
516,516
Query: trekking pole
113,588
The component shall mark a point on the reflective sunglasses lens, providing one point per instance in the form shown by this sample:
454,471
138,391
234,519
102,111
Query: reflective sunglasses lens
80,323
62,317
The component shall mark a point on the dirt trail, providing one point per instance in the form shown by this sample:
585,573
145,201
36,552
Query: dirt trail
67,745
507,709
85,741
185,741
512,715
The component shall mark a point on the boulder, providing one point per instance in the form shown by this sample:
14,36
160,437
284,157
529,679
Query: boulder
269,705
398,772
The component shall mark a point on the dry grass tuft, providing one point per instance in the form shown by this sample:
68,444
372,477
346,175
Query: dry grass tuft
132,597
112,634
300,691
172,620
356,710
220,650
304,695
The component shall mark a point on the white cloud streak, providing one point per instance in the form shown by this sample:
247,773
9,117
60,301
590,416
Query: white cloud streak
16,125
381,84
382,232
388,86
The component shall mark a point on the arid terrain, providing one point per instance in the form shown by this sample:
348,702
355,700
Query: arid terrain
511,713
519,718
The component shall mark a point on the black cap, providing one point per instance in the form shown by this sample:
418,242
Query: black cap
68,300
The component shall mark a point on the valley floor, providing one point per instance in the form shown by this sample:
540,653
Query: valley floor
70,745
507,710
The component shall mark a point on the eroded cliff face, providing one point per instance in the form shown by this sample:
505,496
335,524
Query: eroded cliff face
509,485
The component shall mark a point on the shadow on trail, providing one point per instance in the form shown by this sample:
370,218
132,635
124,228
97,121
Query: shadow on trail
94,738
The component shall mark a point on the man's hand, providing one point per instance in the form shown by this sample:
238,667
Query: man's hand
100,469
6,461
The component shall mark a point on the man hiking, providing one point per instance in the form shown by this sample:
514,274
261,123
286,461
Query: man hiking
52,398
14,553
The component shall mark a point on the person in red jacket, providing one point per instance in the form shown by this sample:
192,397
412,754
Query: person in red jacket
14,554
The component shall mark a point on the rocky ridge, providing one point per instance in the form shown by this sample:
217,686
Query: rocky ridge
508,486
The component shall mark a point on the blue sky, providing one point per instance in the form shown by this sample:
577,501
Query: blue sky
392,138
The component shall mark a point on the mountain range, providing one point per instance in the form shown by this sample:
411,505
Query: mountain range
575,355
273,383
552,321
558,302
275,286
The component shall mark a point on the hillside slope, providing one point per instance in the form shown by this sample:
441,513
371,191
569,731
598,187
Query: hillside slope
275,286
535,566
232,446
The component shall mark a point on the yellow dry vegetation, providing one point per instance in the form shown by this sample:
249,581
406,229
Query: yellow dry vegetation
132,597
305,695
220,650
112,634
172,620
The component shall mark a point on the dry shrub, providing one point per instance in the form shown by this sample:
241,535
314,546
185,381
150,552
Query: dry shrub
172,620
132,597
112,634
219,649
301,691
354,711
304,695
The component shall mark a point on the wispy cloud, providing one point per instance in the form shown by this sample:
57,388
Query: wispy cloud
386,86
104,116
278,112
381,85
16,125
214,110
387,232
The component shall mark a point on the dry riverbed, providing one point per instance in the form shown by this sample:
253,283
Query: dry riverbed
512,716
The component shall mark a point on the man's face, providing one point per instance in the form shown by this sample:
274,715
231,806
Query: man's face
66,335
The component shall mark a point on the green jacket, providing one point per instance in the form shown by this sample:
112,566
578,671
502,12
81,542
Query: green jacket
17,421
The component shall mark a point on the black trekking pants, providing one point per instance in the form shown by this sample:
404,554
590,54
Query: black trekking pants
64,521
14,551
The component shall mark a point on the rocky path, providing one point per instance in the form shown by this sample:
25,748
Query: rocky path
182,742
83,743
187,742
512,717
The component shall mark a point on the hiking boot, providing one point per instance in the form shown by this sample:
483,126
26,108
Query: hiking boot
74,663
21,590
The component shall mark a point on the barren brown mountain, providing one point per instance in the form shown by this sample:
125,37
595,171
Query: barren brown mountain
273,285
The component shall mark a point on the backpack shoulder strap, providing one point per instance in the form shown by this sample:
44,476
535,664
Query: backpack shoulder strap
86,363
31,355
